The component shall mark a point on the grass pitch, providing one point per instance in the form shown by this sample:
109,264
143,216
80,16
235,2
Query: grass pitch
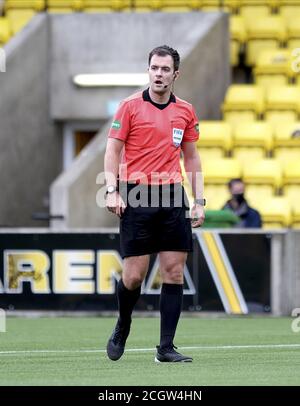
226,351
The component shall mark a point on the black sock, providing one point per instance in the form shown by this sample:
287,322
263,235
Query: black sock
170,309
126,302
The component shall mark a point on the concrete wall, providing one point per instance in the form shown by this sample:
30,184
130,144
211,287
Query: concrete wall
30,148
203,43
118,42
285,276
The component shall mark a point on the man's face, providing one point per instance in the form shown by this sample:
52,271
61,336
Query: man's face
237,188
161,73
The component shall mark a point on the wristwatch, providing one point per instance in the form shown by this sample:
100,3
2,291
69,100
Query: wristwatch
110,189
201,202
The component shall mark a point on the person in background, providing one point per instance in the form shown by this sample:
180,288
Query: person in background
249,217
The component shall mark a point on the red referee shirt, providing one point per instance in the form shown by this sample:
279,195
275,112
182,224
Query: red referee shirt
153,135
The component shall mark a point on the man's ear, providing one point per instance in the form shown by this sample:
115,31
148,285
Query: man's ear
176,74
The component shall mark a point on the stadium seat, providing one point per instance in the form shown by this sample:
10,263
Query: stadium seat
287,141
262,177
243,103
282,103
217,174
289,9
250,12
271,4
275,212
37,5
180,5
216,196
19,18
264,32
225,5
291,181
92,6
295,216
220,171
293,32
273,68
5,30
252,141
215,139
238,38
147,5
55,5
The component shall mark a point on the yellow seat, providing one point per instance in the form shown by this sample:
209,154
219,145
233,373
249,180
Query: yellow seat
250,12
220,171
270,3
106,5
19,18
5,30
293,32
282,103
235,117
180,5
264,32
266,172
244,97
296,216
215,138
243,103
75,5
274,67
37,5
289,9
252,141
147,5
225,5
238,37
291,181
287,141
255,192
216,196
275,212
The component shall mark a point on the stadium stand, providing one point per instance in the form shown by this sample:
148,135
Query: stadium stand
258,136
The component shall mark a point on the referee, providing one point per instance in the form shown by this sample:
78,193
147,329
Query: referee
143,187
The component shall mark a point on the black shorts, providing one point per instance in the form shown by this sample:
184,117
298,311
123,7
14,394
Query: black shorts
156,219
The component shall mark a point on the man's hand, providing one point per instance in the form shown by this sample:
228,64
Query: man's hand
197,215
115,203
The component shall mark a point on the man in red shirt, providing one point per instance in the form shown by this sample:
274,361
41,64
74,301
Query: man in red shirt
148,133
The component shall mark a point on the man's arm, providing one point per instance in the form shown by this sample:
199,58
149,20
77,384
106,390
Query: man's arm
193,169
114,202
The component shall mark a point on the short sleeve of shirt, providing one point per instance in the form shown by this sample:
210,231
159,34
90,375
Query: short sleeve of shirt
120,126
191,132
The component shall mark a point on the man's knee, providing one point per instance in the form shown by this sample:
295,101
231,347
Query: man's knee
173,273
132,280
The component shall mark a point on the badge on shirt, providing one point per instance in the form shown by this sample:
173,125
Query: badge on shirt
177,136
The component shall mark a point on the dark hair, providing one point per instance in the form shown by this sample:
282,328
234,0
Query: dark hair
234,180
164,50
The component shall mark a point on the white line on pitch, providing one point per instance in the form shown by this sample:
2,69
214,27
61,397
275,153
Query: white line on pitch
208,347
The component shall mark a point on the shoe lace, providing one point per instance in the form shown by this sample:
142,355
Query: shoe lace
171,348
120,335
